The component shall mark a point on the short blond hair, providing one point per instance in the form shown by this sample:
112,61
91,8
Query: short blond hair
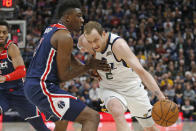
93,25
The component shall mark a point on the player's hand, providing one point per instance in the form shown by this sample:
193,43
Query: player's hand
161,97
95,74
2,79
98,64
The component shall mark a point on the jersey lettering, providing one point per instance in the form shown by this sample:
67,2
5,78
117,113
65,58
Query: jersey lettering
3,65
47,30
38,46
112,66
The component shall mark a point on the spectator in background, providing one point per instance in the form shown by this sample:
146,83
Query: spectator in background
85,94
189,92
170,92
168,26
73,90
93,94
166,81
178,94
187,110
188,77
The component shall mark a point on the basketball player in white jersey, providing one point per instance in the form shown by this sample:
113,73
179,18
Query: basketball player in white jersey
121,88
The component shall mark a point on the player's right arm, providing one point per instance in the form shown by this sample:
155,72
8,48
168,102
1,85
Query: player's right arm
123,52
63,42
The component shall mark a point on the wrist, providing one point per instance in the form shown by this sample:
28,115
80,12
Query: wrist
7,77
88,66
160,95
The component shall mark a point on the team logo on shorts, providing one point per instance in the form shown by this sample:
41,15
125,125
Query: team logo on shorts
61,104
145,115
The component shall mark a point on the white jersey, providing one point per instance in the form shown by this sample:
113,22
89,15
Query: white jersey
121,78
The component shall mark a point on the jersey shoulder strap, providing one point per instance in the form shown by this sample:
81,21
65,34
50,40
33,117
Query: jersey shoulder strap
113,38
8,44
59,26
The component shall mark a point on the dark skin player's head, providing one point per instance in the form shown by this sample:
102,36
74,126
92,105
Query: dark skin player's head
3,33
70,15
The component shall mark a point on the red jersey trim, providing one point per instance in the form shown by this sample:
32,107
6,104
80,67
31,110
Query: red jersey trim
59,26
44,88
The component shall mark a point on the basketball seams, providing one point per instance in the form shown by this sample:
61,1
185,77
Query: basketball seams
161,109
172,117
156,115
166,113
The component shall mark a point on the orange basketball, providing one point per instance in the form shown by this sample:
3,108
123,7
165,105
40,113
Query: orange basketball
165,113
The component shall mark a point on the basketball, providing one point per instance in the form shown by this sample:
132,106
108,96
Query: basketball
165,113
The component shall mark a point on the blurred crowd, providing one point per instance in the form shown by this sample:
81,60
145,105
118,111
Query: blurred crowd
162,33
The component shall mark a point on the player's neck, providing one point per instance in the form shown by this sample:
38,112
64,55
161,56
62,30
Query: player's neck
2,46
65,24
1,49
105,40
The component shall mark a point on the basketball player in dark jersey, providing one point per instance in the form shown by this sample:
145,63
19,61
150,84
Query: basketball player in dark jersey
53,63
12,69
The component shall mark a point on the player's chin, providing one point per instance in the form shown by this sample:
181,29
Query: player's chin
2,41
78,30
97,50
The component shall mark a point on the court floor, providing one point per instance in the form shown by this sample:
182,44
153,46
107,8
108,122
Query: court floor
103,126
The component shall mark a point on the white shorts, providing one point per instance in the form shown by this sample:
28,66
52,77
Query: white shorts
137,103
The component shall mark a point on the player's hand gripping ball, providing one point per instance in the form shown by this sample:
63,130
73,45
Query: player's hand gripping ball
165,113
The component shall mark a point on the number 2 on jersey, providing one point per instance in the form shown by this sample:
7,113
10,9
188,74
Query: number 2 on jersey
109,74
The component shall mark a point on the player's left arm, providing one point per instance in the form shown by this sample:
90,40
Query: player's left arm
123,52
18,64
75,62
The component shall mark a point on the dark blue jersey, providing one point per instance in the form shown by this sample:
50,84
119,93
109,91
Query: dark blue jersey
7,67
43,65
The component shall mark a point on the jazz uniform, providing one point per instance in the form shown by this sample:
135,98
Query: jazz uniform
123,83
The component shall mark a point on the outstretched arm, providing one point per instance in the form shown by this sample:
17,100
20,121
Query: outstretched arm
122,51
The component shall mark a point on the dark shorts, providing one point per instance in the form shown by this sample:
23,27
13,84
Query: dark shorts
15,99
54,102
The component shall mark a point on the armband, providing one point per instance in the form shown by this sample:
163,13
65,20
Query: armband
19,72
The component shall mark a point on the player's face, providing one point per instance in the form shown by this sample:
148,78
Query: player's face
95,40
3,34
76,20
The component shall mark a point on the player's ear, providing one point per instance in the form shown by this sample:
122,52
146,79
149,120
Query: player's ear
67,18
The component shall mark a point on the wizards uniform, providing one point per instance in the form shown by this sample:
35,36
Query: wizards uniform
12,93
6,67
42,84
123,83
